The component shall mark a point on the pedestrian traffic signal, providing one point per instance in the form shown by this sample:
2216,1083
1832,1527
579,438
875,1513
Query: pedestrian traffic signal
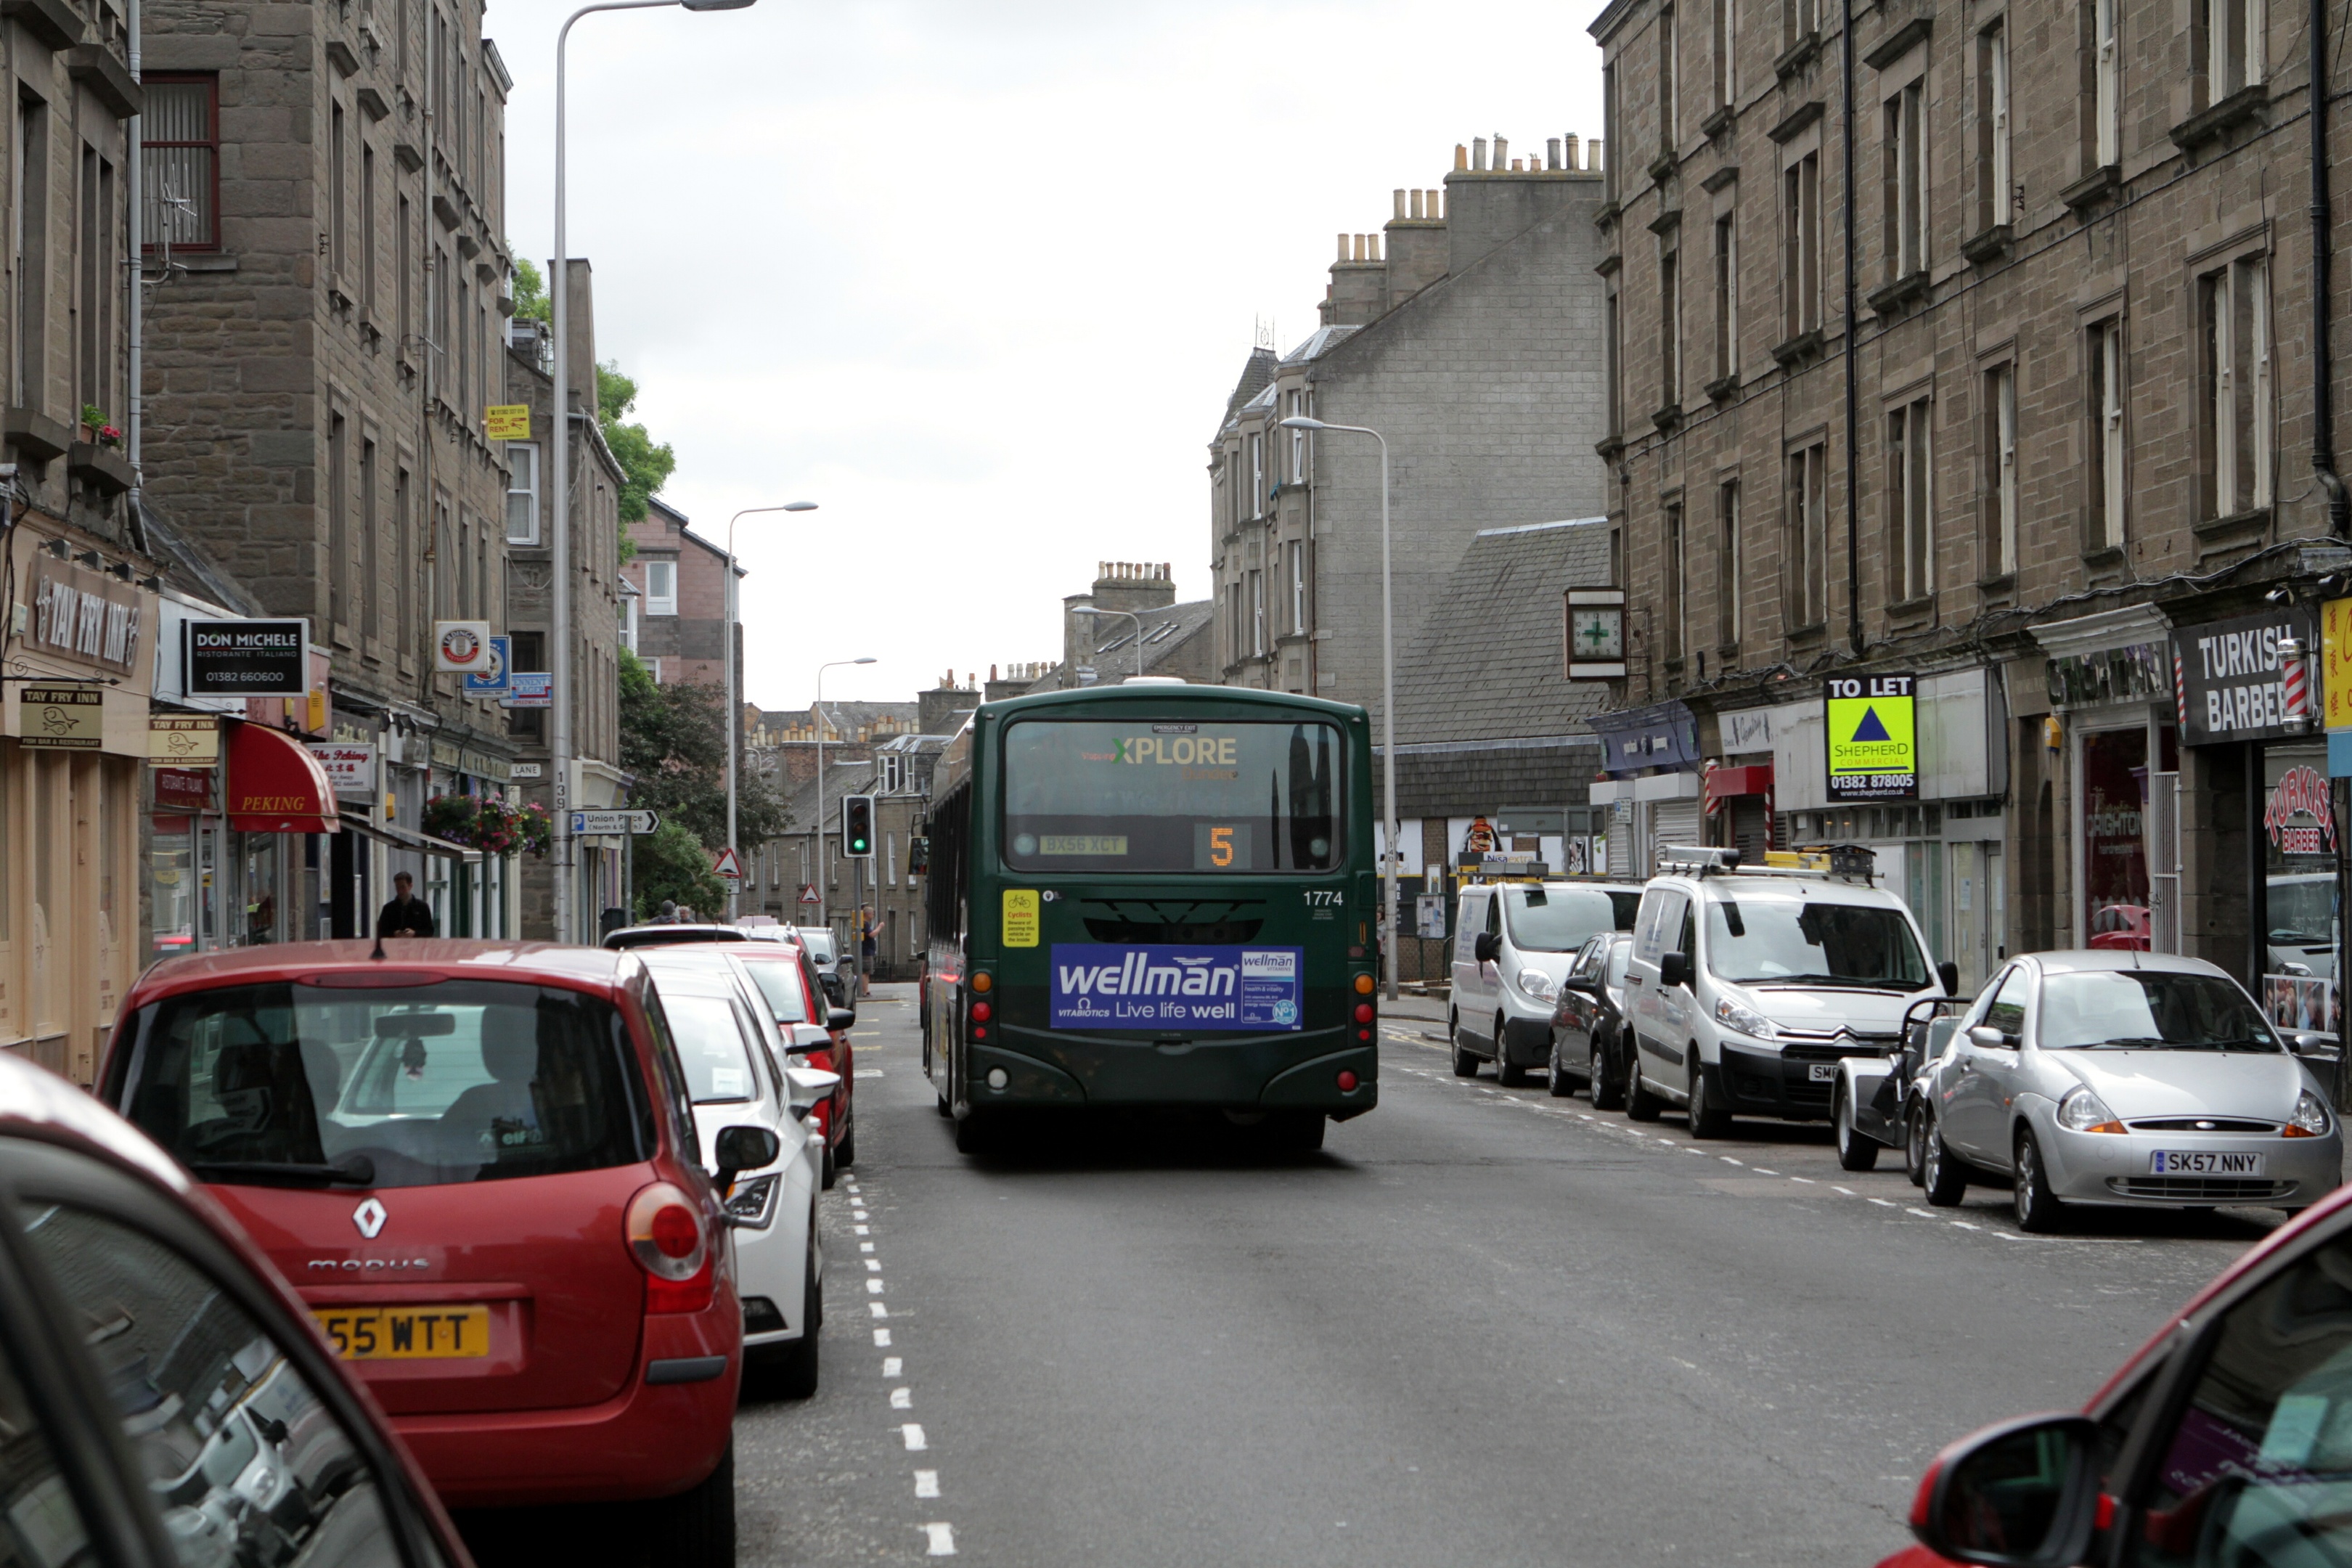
857,826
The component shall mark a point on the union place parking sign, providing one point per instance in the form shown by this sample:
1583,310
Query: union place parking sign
1871,725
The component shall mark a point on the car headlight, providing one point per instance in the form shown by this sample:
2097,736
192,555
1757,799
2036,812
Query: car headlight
1746,1020
751,1203
2082,1112
1537,984
2310,1119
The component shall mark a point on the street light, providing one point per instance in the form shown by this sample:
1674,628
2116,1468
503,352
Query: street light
559,323
1388,695
1090,611
735,720
823,905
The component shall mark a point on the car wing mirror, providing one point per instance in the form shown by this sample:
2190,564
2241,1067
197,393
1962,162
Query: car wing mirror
840,1017
807,1037
1674,969
809,1087
740,1148
1990,1038
2023,1494
1488,947
1950,973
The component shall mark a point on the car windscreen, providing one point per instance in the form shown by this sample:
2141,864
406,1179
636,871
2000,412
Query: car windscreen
2149,1009
402,1086
1145,795
779,987
1819,942
710,1047
1558,919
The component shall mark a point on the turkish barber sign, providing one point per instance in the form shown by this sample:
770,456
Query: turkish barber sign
1874,737
2229,684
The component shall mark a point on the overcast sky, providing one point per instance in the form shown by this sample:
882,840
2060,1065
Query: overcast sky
977,275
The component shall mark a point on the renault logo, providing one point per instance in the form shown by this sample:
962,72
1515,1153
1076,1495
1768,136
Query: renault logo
370,1217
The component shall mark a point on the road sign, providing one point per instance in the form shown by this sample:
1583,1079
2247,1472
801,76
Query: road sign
724,864
603,824
1874,737
494,682
808,893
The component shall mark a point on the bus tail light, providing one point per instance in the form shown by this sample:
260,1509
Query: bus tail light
981,1012
1364,1012
1347,1082
1364,984
981,981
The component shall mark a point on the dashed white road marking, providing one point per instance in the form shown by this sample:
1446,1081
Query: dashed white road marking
878,1310
1727,1160
874,1287
943,1540
881,1336
860,1230
868,1072
927,1483
873,1265
1881,1202
1924,1213
1762,1172
1802,1181
913,1434
892,1366
1966,1225
864,1246
902,1399
1847,1190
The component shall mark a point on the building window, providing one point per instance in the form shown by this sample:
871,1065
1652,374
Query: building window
1726,299
1993,193
1612,329
2233,319
889,764
1729,606
2000,471
338,196
1257,614
1727,40
1609,132
1669,96
1257,474
1670,322
1801,246
1678,572
1911,549
2232,32
1798,19
522,493
179,156
629,621
661,587
1297,440
1807,524
1297,589
339,499
2103,358
2105,95
28,222
371,563
1906,145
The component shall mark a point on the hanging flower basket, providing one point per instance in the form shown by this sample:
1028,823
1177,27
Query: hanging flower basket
488,825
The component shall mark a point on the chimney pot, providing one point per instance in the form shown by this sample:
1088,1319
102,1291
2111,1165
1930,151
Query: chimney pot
1343,248
1460,156
1593,156
1571,154
1399,203
1479,154
1551,153
1514,165
1416,204
1376,247
1502,150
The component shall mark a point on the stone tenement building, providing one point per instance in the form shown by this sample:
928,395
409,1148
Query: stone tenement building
2030,416
1475,347
680,629
325,207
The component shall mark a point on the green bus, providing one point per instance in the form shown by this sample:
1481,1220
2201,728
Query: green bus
1154,895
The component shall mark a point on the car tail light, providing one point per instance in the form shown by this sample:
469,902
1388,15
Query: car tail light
671,1242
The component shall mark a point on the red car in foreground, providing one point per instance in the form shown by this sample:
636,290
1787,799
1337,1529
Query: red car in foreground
478,1166
2226,1442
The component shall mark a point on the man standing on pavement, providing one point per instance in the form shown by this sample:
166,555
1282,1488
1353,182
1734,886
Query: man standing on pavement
406,915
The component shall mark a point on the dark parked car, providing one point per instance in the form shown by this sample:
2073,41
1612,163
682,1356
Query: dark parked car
1588,1024
128,1302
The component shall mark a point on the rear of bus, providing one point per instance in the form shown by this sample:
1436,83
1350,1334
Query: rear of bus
1171,902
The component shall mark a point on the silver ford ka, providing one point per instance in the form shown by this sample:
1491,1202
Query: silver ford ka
2124,1079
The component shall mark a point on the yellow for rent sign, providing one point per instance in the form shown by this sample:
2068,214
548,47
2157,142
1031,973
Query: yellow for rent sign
2335,661
1873,729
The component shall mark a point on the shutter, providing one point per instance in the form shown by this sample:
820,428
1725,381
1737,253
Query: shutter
1748,827
1674,822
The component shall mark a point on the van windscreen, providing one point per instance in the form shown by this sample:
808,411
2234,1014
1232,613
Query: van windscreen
464,1080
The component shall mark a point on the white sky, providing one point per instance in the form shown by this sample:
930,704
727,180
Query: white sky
894,256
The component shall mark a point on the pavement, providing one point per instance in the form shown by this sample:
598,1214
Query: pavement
1481,1325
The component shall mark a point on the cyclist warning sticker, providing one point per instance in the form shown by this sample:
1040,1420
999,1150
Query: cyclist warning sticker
1873,738
1019,917
1101,986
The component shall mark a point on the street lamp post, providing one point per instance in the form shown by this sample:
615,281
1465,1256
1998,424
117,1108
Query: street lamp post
559,577
824,904
735,720
1388,699
1090,611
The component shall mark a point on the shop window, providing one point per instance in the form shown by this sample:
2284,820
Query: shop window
2114,912
2299,907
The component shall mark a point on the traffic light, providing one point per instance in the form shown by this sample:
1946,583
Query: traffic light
857,826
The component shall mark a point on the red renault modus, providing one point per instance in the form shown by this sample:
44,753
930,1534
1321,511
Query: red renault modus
477,1163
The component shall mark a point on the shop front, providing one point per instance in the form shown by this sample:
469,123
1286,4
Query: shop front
232,842
1651,788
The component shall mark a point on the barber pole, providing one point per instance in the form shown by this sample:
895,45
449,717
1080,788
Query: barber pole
2180,690
2296,677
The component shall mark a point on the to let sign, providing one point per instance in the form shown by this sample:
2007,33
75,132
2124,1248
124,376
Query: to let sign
1871,723
61,718
247,658
507,422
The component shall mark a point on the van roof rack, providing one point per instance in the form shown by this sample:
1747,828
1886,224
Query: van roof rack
1840,862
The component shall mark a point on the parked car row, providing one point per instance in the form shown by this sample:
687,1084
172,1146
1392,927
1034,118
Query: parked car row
550,1206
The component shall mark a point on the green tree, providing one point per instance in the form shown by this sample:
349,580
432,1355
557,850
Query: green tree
673,739
671,865
530,293
646,464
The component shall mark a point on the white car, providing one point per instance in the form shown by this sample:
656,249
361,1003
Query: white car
1749,986
734,1060
1513,945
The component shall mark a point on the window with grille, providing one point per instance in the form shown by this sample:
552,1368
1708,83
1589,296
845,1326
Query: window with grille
179,157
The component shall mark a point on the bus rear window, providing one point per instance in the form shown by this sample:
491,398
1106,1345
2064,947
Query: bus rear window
1164,796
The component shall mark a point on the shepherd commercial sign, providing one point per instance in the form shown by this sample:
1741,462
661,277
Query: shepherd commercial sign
247,658
1102,985
1873,729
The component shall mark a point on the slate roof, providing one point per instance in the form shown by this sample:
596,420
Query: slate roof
1486,666
1165,633
840,779
1319,342
1256,376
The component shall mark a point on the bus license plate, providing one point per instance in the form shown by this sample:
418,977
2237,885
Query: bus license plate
2203,1163
406,1333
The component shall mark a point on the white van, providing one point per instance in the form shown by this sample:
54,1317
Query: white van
1513,944
1748,984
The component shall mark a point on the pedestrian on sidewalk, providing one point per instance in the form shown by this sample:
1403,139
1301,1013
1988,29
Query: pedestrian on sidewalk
406,915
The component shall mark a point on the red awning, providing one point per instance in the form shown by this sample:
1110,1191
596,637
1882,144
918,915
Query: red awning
275,785
1722,783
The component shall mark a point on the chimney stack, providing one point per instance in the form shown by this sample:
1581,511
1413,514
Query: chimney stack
1571,154
1460,156
1399,203
1478,154
1551,153
1502,150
